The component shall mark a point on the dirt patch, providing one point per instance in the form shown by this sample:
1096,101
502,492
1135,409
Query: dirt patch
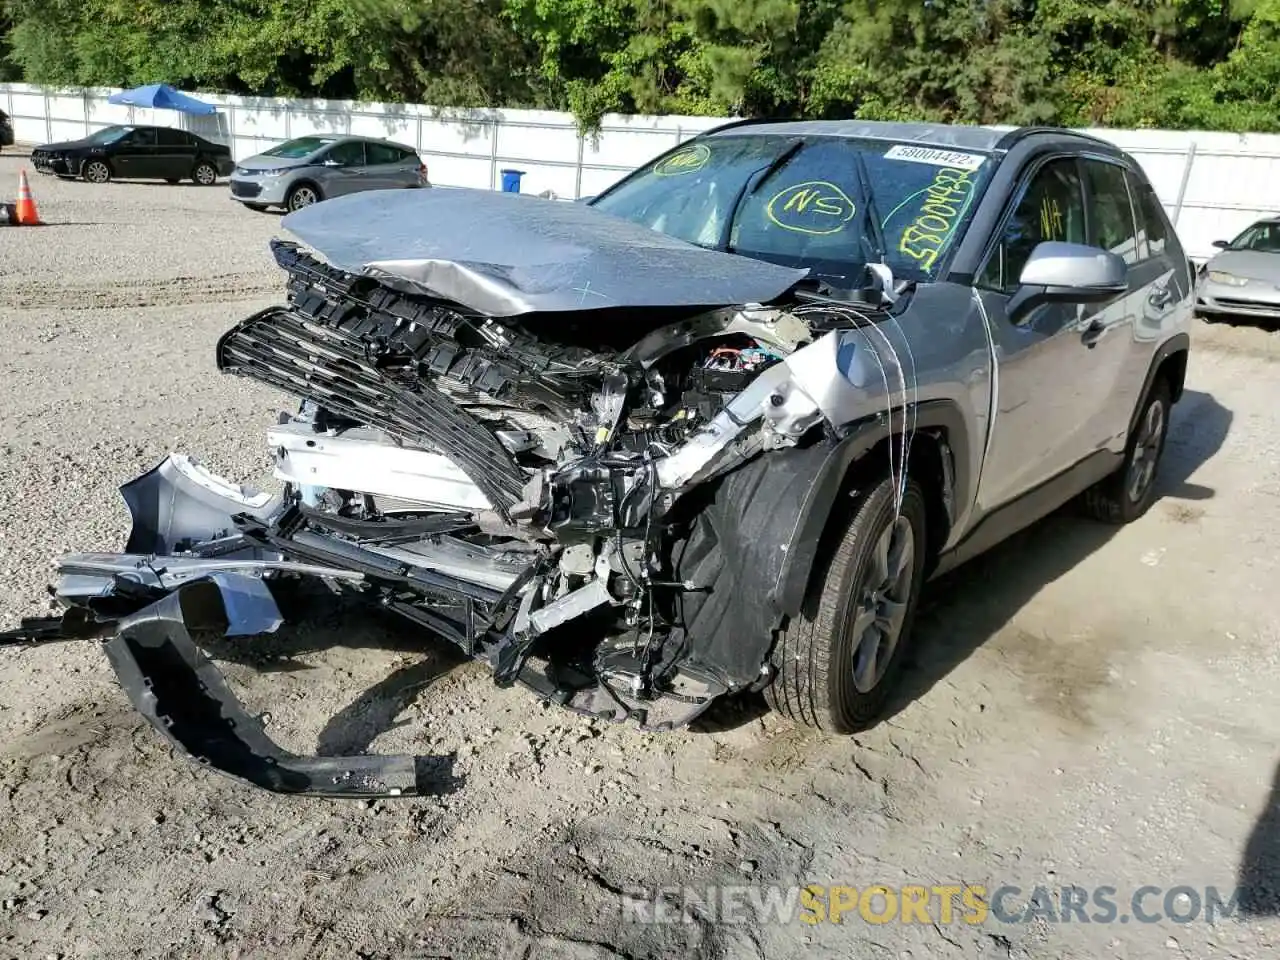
1183,512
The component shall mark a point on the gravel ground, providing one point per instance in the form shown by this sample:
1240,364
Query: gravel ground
1086,707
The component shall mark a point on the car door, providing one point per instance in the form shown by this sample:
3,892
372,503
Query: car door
342,169
1163,268
389,167
175,154
1046,408
1111,330
133,154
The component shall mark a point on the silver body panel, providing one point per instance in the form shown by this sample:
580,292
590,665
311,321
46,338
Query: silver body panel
519,254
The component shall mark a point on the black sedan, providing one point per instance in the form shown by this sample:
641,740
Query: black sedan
136,153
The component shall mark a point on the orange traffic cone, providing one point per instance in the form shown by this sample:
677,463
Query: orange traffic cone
26,210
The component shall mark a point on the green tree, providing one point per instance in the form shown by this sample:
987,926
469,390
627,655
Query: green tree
1172,63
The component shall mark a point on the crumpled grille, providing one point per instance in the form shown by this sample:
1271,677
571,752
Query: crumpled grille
280,348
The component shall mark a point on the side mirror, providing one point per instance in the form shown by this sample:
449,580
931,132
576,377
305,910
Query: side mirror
1059,272
1221,244
329,162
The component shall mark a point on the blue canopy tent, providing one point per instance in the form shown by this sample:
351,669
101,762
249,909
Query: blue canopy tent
161,96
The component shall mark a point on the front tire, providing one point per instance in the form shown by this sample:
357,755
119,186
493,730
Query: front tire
302,195
96,171
838,660
1129,492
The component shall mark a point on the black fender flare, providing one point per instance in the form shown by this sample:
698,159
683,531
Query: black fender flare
1178,343
801,552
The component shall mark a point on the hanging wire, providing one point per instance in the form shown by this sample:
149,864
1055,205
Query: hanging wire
863,321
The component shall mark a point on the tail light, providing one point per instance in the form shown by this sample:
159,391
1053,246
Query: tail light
422,172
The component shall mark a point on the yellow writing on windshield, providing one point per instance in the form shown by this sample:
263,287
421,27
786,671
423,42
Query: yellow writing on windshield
815,206
1051,227
942,205
688,160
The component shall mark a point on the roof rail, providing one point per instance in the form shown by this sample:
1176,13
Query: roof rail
1021,133
746,122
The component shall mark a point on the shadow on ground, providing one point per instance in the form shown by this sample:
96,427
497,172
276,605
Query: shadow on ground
963,609
1258,877
1239,320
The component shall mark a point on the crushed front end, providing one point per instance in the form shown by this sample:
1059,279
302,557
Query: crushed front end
600,503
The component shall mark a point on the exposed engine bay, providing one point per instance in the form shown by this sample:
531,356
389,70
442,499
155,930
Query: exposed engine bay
599,503
539,469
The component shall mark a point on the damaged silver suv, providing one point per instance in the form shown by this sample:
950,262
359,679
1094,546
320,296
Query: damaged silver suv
709,432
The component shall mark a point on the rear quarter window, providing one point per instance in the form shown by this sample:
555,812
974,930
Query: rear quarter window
174,138
378,153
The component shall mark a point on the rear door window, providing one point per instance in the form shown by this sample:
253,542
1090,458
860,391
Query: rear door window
1113,226
349,154
1051,208
382,153
1151,214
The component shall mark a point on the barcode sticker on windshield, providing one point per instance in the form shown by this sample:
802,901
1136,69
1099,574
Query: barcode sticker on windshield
935,157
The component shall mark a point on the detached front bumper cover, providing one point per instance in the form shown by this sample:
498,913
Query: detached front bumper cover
148,605
176,687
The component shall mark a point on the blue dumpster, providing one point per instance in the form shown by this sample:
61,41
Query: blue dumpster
511,180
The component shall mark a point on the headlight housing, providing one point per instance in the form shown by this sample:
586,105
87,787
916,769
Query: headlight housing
1227,279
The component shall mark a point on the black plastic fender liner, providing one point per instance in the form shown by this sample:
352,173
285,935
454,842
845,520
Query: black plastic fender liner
1178,343
184,696
792,581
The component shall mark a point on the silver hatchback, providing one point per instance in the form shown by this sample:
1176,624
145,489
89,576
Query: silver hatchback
306,170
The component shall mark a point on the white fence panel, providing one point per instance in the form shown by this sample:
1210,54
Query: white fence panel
1213,184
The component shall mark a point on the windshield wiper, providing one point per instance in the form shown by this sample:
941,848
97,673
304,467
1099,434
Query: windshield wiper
872,215
750,186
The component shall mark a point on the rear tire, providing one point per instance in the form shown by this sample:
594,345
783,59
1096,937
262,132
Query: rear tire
1129,492
205,174
832,672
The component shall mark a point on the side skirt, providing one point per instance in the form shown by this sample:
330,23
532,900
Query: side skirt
1004,521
